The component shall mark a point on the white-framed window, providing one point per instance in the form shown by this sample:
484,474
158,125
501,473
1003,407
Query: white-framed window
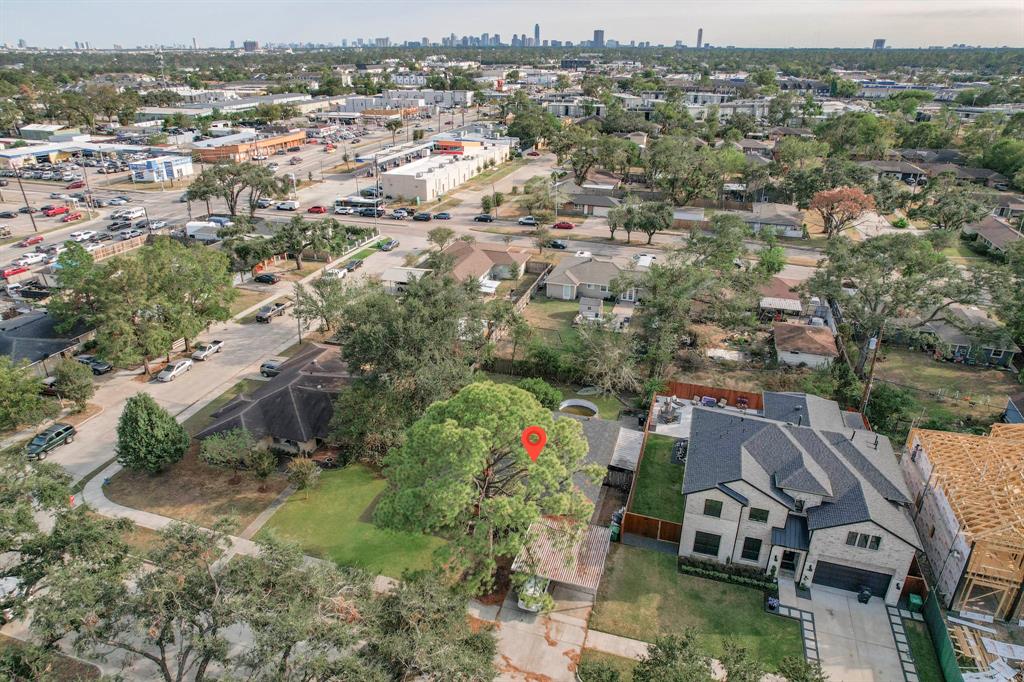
995,353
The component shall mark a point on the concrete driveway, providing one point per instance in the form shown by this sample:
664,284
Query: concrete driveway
855,642
534,647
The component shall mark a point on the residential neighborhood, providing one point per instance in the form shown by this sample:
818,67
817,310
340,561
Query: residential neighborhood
570,355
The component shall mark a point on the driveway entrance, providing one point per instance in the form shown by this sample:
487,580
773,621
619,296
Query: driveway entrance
855,642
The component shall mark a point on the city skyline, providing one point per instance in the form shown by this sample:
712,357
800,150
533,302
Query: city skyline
743,23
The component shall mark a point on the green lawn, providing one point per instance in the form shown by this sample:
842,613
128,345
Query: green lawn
973,391
551,318
642,596
960,250
199,421
623,666
660,482
923,651
334,522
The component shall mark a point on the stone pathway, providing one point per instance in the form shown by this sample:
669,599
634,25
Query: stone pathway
807,630
899,633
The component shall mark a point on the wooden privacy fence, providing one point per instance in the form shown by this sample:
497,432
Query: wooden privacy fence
650,527
688,391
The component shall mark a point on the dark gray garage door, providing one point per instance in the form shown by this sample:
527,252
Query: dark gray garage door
849,578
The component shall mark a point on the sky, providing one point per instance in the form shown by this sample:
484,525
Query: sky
744,23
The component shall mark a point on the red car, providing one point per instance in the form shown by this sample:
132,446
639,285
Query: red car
317,209
13,270
533,153
71,217
56,210
563,225
77,184
30,241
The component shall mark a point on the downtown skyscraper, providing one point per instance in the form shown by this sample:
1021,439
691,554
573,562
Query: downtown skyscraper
536,35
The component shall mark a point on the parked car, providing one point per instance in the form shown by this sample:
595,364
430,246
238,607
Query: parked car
484,218
372,212
354,264
266,278
389,245
531,592
563,225
30,241
273,166
265,203
260,157
59,195
101,237
72,217
12,270
287,206
125,235
527,220
443,215
271,368
97,365
270,311
8,215
557,244
344,210
50,439
422,217
205,350
533,153
56,211
335,273
82,235
116,201
316,209
295,149
30,258
173,370
295,160
27,209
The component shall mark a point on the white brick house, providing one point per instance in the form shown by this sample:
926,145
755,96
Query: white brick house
802,490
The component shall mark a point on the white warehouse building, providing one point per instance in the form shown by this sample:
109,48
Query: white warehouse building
431,177
161,168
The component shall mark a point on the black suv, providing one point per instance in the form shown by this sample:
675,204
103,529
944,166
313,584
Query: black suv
50,439
353,265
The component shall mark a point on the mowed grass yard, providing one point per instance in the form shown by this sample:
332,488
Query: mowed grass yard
623,666
551,318
335,521
923,650
659,484
642,596
975,391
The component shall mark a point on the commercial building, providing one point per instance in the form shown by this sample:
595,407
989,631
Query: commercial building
243,146
431,177
45,131
442,98
161,168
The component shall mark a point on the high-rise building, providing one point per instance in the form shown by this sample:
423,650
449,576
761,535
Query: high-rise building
700,37
878,44
250,45
22,44
598,38
195,45
536,35
232,46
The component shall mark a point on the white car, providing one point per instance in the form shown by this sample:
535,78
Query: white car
157,225
260,157
59,195
116,202
124,235
531,594
528,220
583,254
91,246
30,259
205,350
174,370
82,236
335,273
55,256
344,210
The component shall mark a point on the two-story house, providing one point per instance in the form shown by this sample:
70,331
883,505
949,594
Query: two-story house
800,490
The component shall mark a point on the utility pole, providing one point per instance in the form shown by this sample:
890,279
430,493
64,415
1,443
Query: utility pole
24,196
871,372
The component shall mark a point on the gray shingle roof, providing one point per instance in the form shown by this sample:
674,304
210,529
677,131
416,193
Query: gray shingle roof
853,470
602,436
34,337
295,405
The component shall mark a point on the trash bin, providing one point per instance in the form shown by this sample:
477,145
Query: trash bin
615,532
915,603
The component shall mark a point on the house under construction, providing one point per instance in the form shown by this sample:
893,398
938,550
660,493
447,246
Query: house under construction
968,493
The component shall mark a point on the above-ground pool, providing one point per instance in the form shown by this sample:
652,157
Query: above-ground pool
583,408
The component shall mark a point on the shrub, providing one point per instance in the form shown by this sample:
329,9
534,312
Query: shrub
74,382
901,223
148,437
546,394
591,671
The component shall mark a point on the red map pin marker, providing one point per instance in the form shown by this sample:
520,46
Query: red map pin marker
534,439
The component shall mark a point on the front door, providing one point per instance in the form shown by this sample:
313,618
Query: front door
789,559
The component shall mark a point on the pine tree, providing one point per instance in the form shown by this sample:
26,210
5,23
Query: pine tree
148,437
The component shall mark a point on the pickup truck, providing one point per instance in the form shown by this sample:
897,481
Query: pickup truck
269,312
205,350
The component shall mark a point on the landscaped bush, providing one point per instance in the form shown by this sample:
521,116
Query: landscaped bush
901,223
729,573
590,671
